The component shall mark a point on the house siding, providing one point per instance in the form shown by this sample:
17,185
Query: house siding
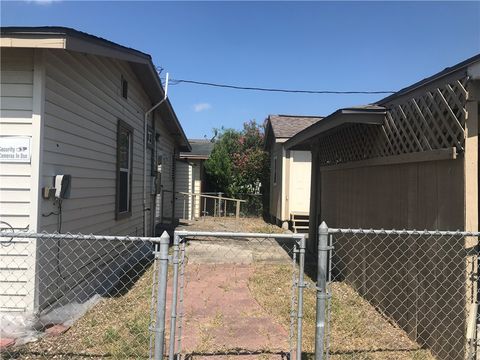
83,104
292,190
197,170
16,189
276,190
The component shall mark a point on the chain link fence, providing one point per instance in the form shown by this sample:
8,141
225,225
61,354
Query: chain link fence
416,292
380,294
102,289
126,297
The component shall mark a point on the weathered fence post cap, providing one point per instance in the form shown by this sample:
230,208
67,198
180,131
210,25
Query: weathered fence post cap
165,237
323,228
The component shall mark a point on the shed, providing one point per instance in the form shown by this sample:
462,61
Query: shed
76,104
289,171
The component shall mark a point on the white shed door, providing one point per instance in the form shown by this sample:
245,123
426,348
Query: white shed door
300,173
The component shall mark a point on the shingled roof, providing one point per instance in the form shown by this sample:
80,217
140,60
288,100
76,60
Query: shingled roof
286,126
201,149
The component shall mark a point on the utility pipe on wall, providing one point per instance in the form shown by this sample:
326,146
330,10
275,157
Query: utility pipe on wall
145,130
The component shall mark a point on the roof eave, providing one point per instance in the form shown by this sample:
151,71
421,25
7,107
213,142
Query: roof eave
444,75
338,118
74,40
194,157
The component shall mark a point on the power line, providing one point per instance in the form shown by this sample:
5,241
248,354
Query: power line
252,88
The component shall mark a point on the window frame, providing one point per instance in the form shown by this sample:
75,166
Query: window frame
122,125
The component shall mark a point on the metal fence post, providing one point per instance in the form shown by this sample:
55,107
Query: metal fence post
162,256
301,285
321,289
293,299
173,319
182,286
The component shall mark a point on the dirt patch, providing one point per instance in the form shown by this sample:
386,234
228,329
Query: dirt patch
256,225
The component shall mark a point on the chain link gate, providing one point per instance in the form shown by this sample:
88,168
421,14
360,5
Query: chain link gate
416,291
200,257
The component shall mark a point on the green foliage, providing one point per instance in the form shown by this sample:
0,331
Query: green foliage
238,165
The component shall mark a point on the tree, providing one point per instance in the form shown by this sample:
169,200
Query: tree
238,165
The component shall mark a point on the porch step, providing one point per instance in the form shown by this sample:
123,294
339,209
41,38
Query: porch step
299,221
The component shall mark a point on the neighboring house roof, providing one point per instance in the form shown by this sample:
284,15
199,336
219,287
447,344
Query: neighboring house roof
201,149
286,126
55,37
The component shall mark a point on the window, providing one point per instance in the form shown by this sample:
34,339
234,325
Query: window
124,170
124,88
275,170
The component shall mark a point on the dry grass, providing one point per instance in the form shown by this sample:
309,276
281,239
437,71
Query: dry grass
256,225
358,330
116,327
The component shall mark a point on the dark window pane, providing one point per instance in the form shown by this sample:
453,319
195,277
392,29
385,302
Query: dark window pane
124,144
123,196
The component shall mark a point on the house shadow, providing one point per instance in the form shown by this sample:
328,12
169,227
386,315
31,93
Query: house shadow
129,278
310,266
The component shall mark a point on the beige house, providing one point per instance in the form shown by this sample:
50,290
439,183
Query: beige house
78,105
409,161
289,171
191,179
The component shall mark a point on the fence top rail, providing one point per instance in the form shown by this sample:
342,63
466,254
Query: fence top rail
403,232
210,196
71,236
185,233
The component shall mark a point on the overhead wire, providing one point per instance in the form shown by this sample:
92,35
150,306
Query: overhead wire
267,89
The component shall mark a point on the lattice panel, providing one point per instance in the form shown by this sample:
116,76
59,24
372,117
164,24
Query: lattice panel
431,121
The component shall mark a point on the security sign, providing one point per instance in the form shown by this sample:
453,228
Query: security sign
15,149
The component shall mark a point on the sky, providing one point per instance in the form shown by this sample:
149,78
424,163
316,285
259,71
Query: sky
343,46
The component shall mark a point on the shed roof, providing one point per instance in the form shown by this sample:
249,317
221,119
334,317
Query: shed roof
370,114
441,74
286,126
70,39
201,149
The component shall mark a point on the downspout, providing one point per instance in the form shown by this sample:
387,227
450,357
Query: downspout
147,113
